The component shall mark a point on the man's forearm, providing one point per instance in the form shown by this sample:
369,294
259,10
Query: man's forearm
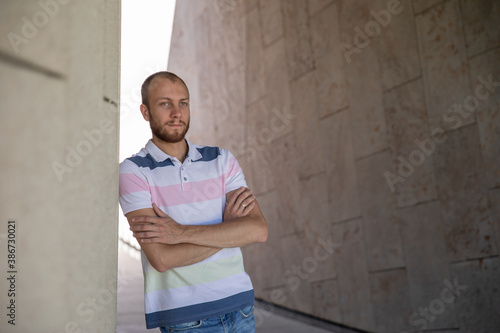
234,233
165,256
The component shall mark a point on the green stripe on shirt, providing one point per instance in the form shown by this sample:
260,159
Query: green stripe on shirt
195,274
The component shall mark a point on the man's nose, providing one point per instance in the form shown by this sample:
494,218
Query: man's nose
175,112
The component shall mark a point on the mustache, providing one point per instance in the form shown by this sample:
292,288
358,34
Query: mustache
173,122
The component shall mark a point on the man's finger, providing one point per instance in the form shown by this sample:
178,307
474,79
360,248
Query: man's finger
158,211
146,239
243,198
234,197
249,207
146,234
143,227
248,199
147,219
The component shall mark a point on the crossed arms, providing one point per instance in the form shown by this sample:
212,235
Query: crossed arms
168,244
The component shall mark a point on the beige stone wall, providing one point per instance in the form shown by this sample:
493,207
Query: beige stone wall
59,87
366,128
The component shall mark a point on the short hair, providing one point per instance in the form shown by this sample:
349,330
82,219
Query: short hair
163,74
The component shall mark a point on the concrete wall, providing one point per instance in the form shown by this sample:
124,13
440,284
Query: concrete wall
59,87
372,140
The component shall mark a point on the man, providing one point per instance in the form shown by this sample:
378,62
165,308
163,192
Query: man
190,210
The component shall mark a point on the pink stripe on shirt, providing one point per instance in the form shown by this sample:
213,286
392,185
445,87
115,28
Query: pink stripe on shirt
173,195
233,168
131,183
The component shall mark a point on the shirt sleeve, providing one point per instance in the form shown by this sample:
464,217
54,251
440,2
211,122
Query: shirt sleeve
234,176
135,192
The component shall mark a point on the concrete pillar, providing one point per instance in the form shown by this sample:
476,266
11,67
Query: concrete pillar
59,92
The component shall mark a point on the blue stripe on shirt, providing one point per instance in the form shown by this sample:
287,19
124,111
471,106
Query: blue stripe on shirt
200,311
208,154
149,162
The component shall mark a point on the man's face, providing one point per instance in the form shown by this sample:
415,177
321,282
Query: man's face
168,112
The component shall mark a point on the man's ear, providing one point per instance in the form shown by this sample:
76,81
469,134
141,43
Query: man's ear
145,112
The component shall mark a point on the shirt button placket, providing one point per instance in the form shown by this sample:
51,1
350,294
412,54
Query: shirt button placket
183,178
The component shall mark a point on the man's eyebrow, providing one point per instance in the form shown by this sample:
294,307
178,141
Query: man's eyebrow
169,99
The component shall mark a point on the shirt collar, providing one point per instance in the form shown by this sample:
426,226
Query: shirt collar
160,156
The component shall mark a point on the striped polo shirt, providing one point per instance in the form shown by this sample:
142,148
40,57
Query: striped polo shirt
193,192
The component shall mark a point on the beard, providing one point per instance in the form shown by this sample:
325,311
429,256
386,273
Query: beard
161,132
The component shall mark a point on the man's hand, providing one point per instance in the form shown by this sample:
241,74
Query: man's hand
239,203
160,229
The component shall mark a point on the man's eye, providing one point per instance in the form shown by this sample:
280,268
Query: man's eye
165,104
184,103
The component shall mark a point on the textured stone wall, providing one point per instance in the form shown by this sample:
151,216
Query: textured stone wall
59,88
370,132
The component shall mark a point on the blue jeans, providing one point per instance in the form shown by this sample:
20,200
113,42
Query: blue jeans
241,321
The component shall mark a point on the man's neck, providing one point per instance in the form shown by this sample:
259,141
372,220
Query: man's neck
177,149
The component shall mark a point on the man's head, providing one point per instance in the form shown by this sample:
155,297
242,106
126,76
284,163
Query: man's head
165,104
154,79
